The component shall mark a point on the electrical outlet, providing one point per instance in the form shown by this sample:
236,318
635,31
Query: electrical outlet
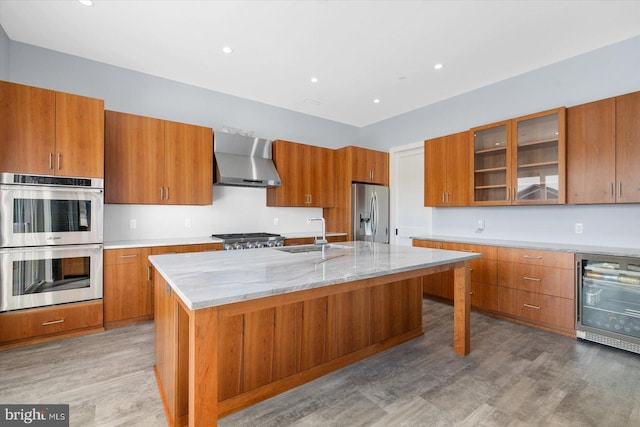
132,224
187,223
480,225
275,221
579,228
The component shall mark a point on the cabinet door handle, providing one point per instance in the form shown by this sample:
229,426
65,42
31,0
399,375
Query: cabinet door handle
471,269
619,189
149,273
534,279
532,257
447,198
50,160
59,161
129,256
52,322
535,307
470,293
443,197
161,193
611,191
167,193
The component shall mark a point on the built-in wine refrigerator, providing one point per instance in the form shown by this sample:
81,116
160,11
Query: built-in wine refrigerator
608,297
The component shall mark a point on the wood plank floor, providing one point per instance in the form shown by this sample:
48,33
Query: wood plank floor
514,376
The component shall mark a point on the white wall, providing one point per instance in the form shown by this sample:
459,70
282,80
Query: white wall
603,73
4,55
234,210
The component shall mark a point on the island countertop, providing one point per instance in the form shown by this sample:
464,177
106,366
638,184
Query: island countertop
208,279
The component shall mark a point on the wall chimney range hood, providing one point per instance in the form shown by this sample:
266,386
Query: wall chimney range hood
243,161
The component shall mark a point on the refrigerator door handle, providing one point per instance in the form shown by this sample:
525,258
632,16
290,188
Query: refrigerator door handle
372,209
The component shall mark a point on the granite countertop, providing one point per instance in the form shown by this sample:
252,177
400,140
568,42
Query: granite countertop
207,279
561,247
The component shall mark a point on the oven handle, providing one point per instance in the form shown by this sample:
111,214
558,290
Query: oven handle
51,248
11,187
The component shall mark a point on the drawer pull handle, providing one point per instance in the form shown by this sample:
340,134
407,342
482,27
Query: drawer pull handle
129,256
52,322
531,278
471,269
466,250
532,257
532,306
470,293
149,274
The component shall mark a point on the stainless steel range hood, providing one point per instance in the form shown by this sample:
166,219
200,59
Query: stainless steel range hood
243,161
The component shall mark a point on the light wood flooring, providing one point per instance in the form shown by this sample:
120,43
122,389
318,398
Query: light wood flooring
514,376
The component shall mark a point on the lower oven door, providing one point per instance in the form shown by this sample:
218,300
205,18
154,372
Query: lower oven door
41,276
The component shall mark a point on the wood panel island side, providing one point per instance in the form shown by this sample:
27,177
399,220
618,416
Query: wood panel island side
233,328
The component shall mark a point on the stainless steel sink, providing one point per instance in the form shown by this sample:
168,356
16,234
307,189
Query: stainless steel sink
311,248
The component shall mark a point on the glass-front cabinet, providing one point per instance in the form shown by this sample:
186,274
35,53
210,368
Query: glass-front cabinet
491,162
520,161
609,300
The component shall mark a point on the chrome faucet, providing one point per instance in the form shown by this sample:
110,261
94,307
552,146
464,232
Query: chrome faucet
323,239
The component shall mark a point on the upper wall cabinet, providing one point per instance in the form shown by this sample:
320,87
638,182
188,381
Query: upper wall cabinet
603,151
446,170
152,161
369,166
520,161
307,173
50,133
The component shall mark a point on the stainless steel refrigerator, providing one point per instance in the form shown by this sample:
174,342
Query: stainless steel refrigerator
370,209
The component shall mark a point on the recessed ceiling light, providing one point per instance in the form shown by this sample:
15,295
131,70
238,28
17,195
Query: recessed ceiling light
227,50
314,80
438,66
86,2
376,101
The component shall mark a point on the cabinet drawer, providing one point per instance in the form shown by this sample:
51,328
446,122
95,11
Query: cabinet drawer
535,278
488,252
536,257
547,309
427,244
125,256
50,320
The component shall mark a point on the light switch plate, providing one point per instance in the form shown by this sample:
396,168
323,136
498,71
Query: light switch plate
132,224
579,228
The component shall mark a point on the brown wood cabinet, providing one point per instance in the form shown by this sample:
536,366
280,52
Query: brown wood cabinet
47,323
603,151
152,161
50,133
366,165
310,240
128,281
128,292
483,275
354,164
307,175
537,286
446,170
534,287
521,161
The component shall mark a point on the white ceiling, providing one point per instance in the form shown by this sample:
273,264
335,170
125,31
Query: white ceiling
359,50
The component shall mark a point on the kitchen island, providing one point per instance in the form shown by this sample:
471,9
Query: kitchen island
235,327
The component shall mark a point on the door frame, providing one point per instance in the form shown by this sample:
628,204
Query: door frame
397,153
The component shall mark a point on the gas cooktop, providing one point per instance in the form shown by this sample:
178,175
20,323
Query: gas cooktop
249,240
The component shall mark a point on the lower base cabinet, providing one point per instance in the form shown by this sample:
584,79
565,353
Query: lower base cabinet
534,287
128,281
47,323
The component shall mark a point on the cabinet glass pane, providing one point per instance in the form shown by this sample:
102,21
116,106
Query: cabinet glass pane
490,164
611,296
537,145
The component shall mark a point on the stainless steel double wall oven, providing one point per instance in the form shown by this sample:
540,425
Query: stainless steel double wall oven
50,240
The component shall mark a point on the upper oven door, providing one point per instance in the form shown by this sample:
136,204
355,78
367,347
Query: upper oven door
44,216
